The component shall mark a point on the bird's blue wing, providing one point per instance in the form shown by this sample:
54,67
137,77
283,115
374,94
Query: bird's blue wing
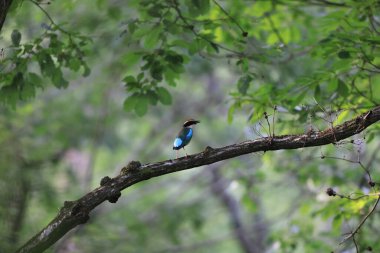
186,135
177,143
189,134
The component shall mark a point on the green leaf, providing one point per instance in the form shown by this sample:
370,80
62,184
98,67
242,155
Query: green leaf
343,54
243,84
46,64
152,97
140,76
164,96
156,71
296,100
317,92
35,79
58,80
153,37
197,45
244,64
132,26
130,102
129,79
86,71
230,114
170,77
141,106
9,96
114,12
155,11
74,64
215,47
201,6
131,58
332,86
370,137
15,4
342,88
174,58
27,91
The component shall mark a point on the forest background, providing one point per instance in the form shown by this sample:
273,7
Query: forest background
88,86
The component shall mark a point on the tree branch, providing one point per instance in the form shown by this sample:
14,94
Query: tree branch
77,212
4,7
218,186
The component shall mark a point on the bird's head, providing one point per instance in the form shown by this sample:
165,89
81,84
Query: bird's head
190,122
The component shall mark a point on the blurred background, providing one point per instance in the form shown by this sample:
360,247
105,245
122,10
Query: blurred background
58,146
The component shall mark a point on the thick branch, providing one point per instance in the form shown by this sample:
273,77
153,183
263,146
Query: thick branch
77,212
4,7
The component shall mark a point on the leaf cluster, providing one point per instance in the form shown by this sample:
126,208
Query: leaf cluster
27,67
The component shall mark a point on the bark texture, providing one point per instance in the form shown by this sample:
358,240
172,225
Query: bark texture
4,7
242,234
77,212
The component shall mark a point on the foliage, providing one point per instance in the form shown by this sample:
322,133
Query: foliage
164,35
52,51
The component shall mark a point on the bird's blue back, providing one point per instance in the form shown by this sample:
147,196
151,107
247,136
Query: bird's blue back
183,138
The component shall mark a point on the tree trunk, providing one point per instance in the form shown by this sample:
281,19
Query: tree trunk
4,7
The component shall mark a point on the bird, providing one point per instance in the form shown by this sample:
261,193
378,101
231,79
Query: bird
184,136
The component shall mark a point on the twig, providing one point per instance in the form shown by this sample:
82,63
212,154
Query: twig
191,27
275,30
49,17
330,121
325,2
371,22
356,244
351,161
229,16
362,94
368,60
352,234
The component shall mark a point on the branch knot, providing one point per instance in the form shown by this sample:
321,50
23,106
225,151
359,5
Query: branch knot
132,167
105,180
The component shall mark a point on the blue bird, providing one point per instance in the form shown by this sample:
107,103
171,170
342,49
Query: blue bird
184,136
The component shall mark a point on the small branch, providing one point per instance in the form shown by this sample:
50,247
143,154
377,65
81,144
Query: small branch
370,99
77,212
351,161
323,3
368,60
332,3
356,244
44,11
49,17
328,3
373,25
191,27
229,16
333,193
352,234
275,30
